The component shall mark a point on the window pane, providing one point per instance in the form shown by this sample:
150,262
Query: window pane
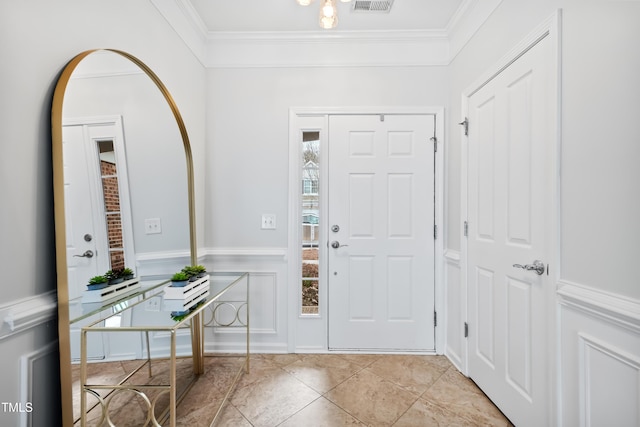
310,221
111,198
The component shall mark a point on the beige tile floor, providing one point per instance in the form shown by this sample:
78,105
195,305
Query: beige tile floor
306,390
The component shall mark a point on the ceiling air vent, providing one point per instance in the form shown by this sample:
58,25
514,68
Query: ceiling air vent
372,5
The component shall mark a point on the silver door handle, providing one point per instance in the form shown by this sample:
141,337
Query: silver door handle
537,266
335,245
86,254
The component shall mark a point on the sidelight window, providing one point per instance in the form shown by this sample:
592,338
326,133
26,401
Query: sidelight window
111,197
310,221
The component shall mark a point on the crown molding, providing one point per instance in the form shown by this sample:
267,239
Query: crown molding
183,18
466,22
337,49
325,48
334,36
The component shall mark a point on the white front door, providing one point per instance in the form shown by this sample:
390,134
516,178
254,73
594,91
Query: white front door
510,199
86,247
87,236
381,232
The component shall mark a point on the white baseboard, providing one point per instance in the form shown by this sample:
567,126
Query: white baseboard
239,347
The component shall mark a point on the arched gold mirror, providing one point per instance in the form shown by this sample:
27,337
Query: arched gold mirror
123,190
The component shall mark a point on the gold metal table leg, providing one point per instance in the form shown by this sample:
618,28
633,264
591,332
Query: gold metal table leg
197,345
172,391
83,377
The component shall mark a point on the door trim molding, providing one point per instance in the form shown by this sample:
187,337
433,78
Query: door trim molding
317,118
549,28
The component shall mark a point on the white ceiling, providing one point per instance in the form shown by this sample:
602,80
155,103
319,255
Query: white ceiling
287,15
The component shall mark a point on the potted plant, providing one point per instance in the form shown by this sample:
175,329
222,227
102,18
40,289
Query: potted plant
191,272
179,280
200,270
97,282
114,276
127,273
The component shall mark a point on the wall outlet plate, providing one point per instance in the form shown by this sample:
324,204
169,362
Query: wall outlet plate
268,221
153,304
152,226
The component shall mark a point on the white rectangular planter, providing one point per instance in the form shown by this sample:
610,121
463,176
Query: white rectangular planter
186,297
111,291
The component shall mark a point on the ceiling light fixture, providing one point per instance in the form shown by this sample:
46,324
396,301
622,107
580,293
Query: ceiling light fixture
328,12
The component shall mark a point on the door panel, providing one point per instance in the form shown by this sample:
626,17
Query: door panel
508,207
381,193
518,344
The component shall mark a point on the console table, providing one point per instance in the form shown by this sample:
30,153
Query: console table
166,320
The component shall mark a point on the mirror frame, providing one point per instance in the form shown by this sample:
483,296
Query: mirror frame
59,211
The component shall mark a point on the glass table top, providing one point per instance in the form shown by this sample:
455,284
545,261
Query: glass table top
149,306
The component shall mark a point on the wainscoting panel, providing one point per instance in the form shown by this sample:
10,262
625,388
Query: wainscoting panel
38,368
268,317
263,316
599,358
30,392
602,365
267,268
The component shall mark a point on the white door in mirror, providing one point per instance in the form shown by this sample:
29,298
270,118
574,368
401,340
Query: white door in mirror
80,219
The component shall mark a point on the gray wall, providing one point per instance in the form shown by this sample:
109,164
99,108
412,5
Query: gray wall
37,38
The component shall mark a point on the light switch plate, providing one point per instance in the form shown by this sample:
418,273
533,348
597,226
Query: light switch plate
268,221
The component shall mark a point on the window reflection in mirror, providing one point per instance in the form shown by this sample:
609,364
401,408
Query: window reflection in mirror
111,199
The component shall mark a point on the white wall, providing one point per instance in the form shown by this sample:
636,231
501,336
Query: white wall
37,38
598,303
246,129
248,159
156,165
599,181
247,126
247,121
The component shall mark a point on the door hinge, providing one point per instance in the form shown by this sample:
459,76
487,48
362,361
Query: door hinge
466,330
466,229
435,231
435,318
465,123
